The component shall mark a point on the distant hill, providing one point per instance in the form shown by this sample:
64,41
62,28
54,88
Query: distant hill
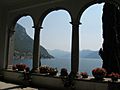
24,44
83,54
89,54
59,53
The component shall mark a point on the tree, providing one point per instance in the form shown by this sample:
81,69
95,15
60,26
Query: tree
111,35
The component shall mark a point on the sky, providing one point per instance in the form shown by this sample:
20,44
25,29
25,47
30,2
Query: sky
57,30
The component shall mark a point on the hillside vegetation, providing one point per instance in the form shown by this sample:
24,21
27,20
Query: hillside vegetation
23,45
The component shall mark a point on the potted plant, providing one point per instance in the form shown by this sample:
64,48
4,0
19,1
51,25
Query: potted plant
48,70
21,67
64,72
52,71
99,73
84,74
43,69
114,76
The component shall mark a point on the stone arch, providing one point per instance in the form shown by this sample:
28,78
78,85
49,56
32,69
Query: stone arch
11,37
92,3
16,18
107,62
46,12
91,34
68,30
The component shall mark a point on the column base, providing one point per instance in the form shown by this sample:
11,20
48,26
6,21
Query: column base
35,70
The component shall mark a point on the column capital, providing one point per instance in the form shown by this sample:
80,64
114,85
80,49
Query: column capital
75,23
37,27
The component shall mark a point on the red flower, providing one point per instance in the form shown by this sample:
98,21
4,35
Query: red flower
84,74
116,75
49,70
99,72
21,67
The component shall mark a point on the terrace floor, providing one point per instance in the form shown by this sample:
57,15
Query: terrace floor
10,86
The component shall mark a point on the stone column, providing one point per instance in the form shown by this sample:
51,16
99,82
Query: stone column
3,40
10,55
36,48
75,47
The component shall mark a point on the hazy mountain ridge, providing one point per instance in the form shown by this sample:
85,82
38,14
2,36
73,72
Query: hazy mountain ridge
83,53
24,44
59,53
89,54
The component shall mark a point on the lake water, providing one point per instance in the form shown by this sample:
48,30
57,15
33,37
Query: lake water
85,65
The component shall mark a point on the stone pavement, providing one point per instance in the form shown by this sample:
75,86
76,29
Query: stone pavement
9,86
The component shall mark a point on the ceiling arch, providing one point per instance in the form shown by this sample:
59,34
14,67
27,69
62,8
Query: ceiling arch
46,12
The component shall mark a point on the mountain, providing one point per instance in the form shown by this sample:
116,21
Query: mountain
83,54
59,53
89,54
24,44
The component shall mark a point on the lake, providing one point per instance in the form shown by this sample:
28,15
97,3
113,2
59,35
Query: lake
85,64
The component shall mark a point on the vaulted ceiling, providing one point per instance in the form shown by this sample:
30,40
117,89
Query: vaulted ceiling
15,4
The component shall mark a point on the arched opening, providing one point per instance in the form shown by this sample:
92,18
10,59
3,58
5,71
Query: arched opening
56,38
22,42
91,38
